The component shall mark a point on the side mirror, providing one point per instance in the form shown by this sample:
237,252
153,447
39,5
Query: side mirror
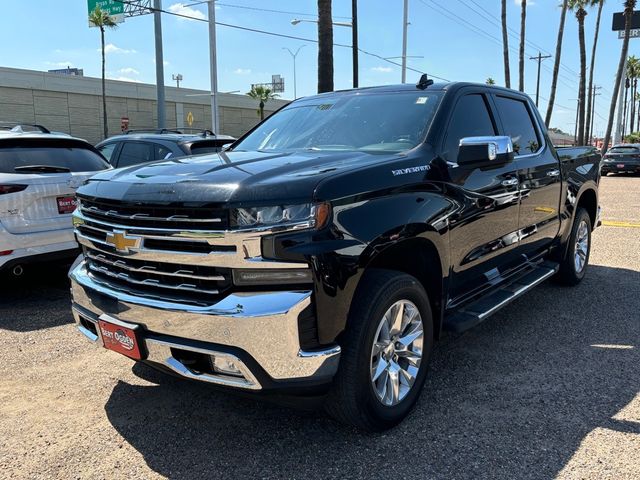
485,151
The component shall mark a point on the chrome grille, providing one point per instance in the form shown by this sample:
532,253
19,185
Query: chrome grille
200,217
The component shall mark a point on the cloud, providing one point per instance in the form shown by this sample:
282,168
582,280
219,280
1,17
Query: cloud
122,78
60,64
182,9
164,62
242,71
129,71
382,69
111,48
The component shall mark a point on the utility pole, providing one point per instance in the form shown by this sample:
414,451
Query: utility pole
213,66
405,24
575,132
539,58
354,41
593,111
157,24
294,55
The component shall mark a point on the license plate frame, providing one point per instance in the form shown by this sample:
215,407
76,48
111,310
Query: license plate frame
620,165
66,204
121,337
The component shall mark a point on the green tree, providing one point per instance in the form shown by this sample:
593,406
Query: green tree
523,24
629,7
490,81
589,133
505,45
262,95
556,63
102,20
633,72
325,47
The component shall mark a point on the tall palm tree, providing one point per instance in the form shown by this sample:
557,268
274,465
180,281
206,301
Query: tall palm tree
325,47
505,45
627,84
523,24
633,72
262,95
102,20
556,63
591,98
578,7
629,7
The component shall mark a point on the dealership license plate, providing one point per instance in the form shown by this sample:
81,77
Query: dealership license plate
120,339
620,165
66,205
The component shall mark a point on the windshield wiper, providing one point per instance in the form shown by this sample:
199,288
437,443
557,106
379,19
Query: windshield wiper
42,169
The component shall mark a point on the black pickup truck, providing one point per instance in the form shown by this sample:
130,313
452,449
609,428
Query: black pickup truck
328,248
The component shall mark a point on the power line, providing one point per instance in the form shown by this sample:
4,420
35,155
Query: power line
282,35
246,7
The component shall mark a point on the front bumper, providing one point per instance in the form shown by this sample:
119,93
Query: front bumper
257,331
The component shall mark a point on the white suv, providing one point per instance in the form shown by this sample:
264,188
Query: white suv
39,174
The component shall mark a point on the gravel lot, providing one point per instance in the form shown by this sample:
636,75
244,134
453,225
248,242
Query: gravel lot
548,387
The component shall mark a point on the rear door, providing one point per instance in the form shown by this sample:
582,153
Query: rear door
484,232
36,197
539,173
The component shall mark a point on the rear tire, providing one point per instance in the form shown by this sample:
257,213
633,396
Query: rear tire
574,266
385,352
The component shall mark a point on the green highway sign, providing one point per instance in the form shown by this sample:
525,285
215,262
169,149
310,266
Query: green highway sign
114,8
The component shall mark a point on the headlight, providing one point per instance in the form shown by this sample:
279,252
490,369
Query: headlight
303,216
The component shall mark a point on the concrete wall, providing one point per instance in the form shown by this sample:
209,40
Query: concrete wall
74,105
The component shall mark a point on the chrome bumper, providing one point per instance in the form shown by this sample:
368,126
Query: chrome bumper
263,326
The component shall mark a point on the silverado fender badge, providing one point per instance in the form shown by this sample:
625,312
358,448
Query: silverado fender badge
404,171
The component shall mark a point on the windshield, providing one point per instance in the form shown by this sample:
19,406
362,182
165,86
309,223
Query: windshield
374,122
624,150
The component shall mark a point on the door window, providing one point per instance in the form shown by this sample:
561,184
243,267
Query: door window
163,152
518,124
133,153
107,150
470,118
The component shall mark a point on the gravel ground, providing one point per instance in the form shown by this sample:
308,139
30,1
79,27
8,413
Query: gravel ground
548,387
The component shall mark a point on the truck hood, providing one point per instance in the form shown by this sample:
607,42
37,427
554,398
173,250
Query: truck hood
228,177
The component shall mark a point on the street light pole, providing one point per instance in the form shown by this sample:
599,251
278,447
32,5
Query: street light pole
294,55
405,23
213,65
354,40
157,24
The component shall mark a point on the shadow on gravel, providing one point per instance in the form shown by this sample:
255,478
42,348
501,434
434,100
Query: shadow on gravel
38,299
512,398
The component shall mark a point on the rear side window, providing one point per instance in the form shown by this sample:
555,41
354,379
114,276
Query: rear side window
209,147
470,118
518,124
107,150
76,159
133,153
163,152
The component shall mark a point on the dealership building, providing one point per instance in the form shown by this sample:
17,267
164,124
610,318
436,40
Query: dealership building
73,104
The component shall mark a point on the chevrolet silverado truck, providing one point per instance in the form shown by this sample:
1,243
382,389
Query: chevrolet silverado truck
329,247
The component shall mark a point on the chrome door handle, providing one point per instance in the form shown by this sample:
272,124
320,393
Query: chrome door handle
553,173
510,182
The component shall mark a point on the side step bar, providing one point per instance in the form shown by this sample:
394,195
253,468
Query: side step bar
474,313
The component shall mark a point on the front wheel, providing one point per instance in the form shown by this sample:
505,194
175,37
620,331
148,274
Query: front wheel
386,349
574,265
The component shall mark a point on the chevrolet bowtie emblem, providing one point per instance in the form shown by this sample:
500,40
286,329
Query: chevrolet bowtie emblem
123,242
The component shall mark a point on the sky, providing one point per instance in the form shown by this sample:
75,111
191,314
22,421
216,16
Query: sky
451,39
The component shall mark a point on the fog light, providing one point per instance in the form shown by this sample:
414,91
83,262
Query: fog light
226,366
271,276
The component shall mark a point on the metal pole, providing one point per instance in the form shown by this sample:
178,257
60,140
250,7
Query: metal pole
157,23
593,110
617,137
354,40
295,81
539,58
213,66
575,132
405,23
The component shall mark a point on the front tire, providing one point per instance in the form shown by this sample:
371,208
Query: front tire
385,352
573,267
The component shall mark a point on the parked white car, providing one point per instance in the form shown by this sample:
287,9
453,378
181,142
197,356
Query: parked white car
39,174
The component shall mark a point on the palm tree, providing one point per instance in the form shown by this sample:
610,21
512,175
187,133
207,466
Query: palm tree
578,7
523,23
102,20
490,81
633,72
627,84
629,7
325,47
263,95
556,63
505,46
593,65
